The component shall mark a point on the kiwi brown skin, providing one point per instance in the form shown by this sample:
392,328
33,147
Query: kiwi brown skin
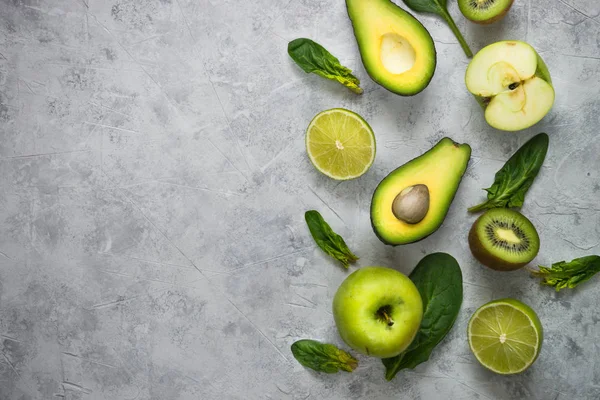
484,257
493,19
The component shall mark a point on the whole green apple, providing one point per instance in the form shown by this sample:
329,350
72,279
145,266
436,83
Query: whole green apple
377,311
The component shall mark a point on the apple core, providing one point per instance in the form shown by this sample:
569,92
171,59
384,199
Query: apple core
504,75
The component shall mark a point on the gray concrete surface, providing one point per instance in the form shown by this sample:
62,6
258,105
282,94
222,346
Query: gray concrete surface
154,179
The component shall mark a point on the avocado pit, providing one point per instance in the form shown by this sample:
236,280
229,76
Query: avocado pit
411,204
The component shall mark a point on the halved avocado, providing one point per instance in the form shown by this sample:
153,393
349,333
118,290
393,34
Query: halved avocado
396,49
440,170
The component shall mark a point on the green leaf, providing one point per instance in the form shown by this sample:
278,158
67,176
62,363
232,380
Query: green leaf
323,357
439,280
513,180
329,241
568,274
312,57
440,8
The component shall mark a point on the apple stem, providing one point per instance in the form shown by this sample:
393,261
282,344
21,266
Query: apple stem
389,321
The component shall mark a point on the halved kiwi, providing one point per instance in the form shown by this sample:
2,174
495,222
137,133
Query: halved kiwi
484,11
503,239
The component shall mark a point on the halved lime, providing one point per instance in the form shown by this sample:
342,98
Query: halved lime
505,336
340,144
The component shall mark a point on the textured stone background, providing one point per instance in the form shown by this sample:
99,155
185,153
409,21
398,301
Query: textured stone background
154,180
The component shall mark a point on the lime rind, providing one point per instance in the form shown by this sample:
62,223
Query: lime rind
517,355
324,132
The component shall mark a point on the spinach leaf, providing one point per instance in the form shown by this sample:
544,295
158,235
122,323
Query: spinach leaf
323,357
312,57
440,8
439,280
329,241
569,274
516,176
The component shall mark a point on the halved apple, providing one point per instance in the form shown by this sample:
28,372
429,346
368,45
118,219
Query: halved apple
512,83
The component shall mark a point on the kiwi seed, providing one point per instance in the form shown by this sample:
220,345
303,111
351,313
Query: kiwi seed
496,241
481,4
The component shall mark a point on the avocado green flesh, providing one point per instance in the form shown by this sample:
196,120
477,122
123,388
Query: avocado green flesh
441,170
396,49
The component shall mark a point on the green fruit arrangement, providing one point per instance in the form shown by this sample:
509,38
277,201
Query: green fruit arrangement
379,311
